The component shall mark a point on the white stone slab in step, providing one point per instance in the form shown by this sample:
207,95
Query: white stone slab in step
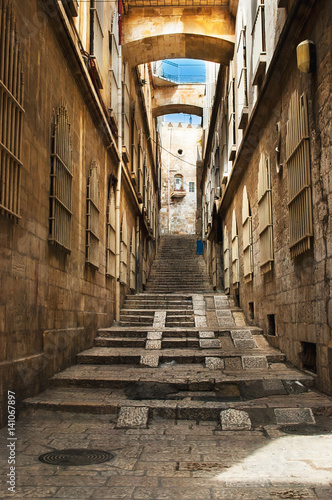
199,312
224,313
200,321
153,344
235,420
198,296
225,322
159,319
206,335
214,363
241,334
245,343
254,362
294,416
154,335
209,344
151,360
220,302
133,417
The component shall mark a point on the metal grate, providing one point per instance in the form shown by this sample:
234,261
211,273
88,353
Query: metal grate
110,234
92,230
265,214
226,261
298,165
75,457
61,180
247,237
235,252
11,114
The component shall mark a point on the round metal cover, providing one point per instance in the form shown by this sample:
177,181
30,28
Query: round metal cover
76,457
305,429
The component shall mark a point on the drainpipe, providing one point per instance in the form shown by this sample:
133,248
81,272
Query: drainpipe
118,191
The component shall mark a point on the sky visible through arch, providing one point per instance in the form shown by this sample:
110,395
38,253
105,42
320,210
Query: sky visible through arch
184,71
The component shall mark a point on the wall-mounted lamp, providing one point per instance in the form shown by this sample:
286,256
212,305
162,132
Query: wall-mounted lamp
306,56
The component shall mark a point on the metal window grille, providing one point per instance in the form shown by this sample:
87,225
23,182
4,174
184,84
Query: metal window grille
92,229
61,180
231,121
242,91
247,238
115,77
126,108
134,148
11,114
235,252
110,235
265,214
132,270
191,187
145,265
214,264
299,175
123,251
226,262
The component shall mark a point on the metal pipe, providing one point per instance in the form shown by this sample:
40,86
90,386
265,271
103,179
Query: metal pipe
117,204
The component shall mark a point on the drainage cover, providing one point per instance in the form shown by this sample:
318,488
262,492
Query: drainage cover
76,457
305,429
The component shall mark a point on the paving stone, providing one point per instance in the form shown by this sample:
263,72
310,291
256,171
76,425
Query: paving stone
159,319
153,344
224,313
273,386
294,415
245,344
241,334
199,312
232,420
225,322
151,360
214,363
200,321
206,335
131,417
239,318
154,335
233,363
220,302
254,362
209,343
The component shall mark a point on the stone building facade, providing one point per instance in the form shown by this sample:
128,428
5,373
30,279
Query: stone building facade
266,185
79,198
181,144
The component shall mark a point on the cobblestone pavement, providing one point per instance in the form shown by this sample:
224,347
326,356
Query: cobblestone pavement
174,460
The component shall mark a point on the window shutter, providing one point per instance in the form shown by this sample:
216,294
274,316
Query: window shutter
235,252
265,214
247,237
226,262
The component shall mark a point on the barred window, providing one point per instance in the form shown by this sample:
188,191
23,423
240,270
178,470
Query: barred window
115,76
299,175
247,237
123,250
231,121
226,262
235,252
61,181
97,21
265,214
110,234
125,113
134,148
258,44
92,229
11,114
191,187
242,80
132,270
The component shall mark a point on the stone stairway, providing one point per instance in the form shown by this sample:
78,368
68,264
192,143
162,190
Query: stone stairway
185,356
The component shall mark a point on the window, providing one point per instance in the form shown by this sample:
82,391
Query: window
92,215
125,114
231,121
132,270
247,237
191,187
265,214
178,182
11,117
235,253
96,41
110,234
115,77
123,250
226,262
134,148
242,80
61,181
259,44
299,178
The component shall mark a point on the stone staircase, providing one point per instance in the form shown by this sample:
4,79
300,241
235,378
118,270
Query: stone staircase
185,356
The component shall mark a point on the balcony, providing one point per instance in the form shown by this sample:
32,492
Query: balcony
178,193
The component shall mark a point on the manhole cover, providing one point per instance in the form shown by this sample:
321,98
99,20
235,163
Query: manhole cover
76,457
305,430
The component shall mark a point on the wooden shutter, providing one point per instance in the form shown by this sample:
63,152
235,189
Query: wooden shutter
226,262
132,272
123,250
265,214
299,176
92,237
11,114
235,252
110,235
247,237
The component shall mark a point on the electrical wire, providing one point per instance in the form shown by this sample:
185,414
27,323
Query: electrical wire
175,156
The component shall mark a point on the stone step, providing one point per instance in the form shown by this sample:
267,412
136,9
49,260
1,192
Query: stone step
232,359
150,312
262,411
